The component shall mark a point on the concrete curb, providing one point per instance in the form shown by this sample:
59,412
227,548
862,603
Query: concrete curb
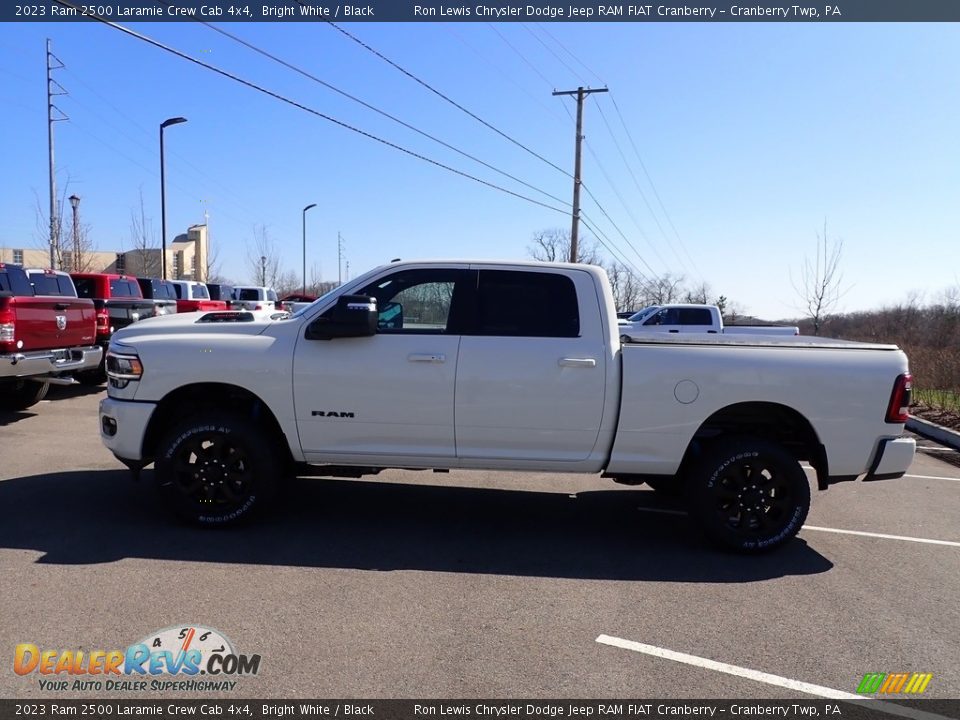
930,430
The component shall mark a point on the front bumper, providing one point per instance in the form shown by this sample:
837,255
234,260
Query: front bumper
123,425
893,459
49,362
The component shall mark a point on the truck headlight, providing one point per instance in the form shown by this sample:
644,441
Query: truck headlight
123,368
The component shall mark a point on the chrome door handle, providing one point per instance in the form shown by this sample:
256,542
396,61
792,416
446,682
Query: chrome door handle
577,362
427,357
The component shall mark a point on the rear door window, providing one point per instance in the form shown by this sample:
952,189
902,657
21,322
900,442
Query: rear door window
513,303
695,316
86,287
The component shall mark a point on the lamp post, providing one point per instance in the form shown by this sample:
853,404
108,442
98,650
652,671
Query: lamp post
163,198
312,205
75,203
263,270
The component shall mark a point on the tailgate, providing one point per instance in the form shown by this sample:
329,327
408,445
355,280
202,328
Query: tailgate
49,323
124,311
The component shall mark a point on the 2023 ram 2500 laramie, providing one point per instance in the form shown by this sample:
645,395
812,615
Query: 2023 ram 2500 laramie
499,366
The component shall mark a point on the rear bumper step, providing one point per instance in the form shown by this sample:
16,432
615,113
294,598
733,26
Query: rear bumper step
49,362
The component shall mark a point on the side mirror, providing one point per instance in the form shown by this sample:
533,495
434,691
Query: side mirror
352,316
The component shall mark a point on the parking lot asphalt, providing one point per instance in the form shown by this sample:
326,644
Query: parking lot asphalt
473,584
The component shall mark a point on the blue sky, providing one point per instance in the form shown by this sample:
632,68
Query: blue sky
753,135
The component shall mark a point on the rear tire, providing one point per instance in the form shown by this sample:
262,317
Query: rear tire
216,469
21,394
749,494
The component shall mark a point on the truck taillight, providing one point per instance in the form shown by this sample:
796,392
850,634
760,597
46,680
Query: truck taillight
103,322
8,330
899,407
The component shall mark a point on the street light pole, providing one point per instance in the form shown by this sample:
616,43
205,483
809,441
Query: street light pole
312,205
163,198
263,270
75,204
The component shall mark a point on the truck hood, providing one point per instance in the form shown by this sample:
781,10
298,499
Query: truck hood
225,322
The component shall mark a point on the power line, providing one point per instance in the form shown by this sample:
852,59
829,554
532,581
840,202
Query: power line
457,105
639,189
369,106
301,106
652,185
235,200
593,197
510,78
520,54
551,51
542,28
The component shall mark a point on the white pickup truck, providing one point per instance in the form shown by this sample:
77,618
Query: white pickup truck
693,318
450,365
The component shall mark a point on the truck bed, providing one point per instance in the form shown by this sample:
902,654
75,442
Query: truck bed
744,340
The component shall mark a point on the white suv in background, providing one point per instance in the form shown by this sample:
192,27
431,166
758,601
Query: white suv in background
250,297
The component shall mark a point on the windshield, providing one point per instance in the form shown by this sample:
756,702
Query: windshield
638,316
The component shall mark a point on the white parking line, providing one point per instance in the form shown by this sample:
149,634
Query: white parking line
922,477
933,477
862,533
883,536
758,676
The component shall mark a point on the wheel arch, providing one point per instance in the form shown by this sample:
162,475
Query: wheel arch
196,398
770,421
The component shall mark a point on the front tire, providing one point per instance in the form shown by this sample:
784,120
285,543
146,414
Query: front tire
216,470
749,495
21,394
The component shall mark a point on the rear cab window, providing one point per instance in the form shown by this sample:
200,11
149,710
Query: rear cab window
14,280
124,288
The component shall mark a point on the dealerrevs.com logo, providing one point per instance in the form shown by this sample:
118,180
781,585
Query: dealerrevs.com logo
181,657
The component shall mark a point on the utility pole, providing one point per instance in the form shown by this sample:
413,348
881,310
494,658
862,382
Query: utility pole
581,93
54,215
339,259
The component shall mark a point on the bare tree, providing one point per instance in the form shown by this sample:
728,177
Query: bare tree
820,287
553,245
698,294
263,259
144,258
72,250
665,289
627,287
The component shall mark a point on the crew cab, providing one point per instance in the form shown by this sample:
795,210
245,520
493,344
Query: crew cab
162,293
193,296
44,338
499,366
251,297
694,318
118,302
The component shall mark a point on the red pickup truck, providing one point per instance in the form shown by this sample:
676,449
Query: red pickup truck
118,301
43,339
